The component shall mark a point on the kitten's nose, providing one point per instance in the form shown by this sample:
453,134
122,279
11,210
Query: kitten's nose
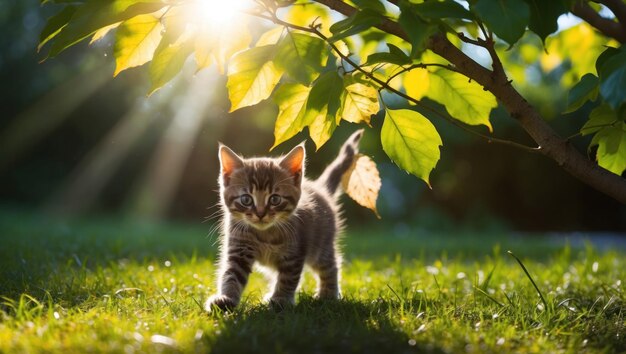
260,212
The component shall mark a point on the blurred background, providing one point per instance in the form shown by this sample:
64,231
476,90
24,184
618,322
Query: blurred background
74,141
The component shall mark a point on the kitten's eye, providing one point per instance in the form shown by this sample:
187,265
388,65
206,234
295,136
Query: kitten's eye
246,200
275,199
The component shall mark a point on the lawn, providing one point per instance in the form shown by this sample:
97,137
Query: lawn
114,285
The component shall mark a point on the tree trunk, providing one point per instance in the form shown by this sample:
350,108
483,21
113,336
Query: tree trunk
552,145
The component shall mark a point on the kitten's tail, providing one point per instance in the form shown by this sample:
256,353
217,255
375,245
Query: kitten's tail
331,177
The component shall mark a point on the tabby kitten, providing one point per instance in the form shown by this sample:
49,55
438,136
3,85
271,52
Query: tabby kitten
277,219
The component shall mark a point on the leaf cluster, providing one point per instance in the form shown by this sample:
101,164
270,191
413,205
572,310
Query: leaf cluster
321,73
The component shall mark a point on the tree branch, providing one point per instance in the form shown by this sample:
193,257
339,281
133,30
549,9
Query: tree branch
607,26
618,7
386,86
552,145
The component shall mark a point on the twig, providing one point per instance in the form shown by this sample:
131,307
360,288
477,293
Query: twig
477,42
487,35
608,27
420,66
580,133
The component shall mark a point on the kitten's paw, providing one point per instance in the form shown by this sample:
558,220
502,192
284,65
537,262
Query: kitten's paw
280,303
221,302
328,295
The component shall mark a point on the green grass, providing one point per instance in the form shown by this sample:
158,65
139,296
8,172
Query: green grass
122,286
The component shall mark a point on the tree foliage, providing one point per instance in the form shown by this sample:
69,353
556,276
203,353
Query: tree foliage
323,70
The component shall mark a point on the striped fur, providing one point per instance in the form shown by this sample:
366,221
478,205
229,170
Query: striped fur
278,220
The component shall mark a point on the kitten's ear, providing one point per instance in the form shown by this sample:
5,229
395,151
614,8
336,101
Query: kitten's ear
229,161
294,162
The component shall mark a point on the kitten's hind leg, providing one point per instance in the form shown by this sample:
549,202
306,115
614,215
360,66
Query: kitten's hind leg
328,277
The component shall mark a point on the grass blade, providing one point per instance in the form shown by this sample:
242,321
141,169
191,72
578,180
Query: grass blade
543,300
488,296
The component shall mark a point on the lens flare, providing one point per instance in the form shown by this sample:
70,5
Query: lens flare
222,15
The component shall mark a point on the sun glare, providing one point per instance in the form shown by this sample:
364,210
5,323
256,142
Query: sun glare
220,14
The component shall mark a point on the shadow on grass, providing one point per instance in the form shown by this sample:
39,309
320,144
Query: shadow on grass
313,326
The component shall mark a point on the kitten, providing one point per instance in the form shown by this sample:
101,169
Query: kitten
276,218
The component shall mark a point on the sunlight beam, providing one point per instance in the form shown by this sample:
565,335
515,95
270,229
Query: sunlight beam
85,184
159,184
33,124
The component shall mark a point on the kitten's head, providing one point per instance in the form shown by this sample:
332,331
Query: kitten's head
261,192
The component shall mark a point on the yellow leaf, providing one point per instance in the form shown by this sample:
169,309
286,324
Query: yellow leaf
362,182
270,37
360,102
416,83
306,14
204,44
136,41
321,129
291,99
103,32
228,44
252,76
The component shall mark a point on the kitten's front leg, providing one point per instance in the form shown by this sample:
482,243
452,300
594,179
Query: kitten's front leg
232,280
289,273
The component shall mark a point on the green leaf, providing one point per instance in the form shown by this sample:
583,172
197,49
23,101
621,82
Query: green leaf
611,142
411,141
136,40
169,57
252,76
544,15
506,18
360,100
586,89
357,23
601,117
416,28
613,88
611,67
96,14
442,9
603,58
291,100
464,100
322,107
394,56
302,56
55,24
